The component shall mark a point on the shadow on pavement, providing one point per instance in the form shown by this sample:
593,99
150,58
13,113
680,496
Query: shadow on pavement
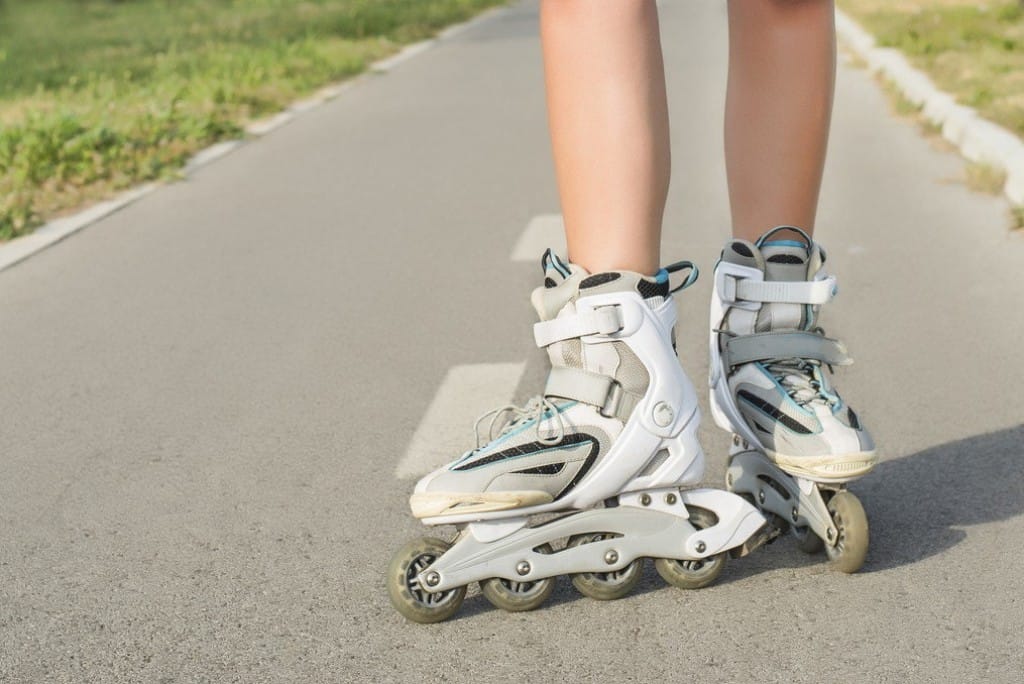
917,505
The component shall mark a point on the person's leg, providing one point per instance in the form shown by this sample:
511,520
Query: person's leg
608,117
606,315
778,108
769,354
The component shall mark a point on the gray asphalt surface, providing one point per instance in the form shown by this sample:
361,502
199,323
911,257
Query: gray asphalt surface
204,396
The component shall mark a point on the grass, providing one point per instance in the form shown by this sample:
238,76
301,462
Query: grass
98,95
977,176
1017,216
973,50
903,107
984,178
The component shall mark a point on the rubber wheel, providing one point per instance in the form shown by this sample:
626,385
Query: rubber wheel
690,574
851,523
516,596
806,540
605,586
410,599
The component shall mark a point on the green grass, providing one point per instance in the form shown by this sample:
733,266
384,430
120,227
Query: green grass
1017,217
973,50
97,95
985,178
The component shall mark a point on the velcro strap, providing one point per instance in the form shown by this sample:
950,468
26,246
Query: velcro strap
786,292
593,389
784,345
579,385
601,321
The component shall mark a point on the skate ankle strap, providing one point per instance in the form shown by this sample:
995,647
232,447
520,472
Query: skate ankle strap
784,345
604,320
732,288
594,389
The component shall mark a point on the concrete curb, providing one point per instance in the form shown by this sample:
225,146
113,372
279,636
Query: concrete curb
978,139
52,232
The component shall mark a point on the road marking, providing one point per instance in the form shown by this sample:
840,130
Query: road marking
546,230
446,429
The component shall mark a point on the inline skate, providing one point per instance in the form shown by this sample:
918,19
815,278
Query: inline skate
610,448
796,444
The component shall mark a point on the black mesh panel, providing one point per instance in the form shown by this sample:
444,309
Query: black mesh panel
599,279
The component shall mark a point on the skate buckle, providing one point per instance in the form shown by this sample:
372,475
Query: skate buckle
727,279
613,401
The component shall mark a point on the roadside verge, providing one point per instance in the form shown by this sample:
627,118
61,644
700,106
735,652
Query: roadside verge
978,139
18,249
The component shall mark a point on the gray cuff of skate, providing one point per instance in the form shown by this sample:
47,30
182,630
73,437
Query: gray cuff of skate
784,345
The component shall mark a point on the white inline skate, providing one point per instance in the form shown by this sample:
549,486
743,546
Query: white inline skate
796,444
609,444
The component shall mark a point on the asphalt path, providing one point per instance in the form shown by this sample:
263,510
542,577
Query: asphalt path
205,399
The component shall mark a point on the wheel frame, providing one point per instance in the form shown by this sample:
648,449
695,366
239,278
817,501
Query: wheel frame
848,552
693,574
406,596
605,586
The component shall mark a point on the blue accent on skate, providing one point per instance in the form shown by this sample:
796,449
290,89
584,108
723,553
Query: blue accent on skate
661,277
559,265
550,259
783,243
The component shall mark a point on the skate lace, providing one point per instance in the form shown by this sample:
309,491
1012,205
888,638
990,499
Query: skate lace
505,418
801,378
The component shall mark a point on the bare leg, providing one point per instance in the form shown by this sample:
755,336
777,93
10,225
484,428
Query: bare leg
778,108
608,116
781,76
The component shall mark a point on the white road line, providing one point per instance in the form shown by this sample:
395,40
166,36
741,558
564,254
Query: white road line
446,429
546,230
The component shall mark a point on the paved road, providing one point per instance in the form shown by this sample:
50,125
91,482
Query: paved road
204,400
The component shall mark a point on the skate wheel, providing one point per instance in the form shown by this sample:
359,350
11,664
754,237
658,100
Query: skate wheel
605,586
516,596
851,523
806,540
409,598
693,574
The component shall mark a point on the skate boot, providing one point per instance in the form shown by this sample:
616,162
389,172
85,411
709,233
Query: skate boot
611,440
795,441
